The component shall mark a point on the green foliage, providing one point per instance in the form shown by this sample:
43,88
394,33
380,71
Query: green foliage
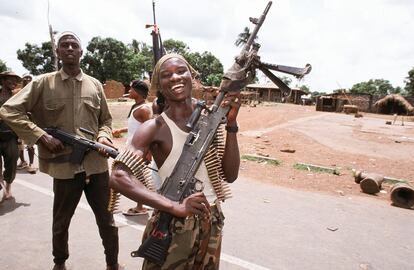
110,59
409,83
378,87
305,88
316,93
107,59
260,159
139,60
175,46
316,168
209,67
37,59
243,37
3,66
286,80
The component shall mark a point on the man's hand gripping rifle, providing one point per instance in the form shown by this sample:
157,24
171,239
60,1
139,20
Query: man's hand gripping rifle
80,145
204,123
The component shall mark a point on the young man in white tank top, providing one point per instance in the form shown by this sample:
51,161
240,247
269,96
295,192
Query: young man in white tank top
139,113
197,224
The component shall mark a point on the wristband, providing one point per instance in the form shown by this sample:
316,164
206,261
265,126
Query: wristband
232,129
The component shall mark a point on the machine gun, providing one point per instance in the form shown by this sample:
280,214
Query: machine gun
204,123
80,145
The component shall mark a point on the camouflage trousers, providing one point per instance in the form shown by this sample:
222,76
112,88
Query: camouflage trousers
196,242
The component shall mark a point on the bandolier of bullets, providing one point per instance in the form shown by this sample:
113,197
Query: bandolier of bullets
139,170
213,160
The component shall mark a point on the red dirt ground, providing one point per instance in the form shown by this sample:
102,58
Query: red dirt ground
326,139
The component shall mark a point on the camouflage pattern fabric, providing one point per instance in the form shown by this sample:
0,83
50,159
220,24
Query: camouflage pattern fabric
196,242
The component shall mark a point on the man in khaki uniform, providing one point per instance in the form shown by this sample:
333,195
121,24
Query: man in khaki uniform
8,139
68,99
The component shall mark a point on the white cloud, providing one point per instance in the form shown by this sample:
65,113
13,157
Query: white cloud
346,41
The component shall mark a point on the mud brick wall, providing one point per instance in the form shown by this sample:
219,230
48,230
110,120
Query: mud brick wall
113,89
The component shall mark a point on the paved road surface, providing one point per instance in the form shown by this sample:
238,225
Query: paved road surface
266,227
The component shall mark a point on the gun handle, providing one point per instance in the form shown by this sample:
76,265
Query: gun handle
155,247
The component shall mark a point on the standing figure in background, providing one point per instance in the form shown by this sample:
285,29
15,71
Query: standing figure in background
30,168
139,113
8,139
68,99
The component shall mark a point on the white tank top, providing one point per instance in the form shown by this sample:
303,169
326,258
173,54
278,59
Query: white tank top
178,139
133,123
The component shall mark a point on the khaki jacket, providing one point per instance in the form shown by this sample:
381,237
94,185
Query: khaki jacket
56,100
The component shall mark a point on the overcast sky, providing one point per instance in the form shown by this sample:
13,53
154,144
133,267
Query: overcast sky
346,41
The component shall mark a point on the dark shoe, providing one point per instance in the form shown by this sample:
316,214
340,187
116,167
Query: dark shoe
59,267
115,267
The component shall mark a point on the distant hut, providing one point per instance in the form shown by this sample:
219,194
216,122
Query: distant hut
394,104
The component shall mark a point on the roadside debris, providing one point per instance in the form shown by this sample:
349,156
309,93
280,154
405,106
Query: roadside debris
369,182
316,168
287,150
402,195
261,159
401,192
332,229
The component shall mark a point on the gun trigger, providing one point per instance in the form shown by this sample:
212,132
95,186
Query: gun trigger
198,185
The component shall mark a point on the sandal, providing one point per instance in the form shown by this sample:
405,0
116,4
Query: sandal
134,212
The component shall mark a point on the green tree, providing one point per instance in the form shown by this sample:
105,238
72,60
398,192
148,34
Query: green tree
316,93
108,58
286,80
3,66
409,83
305,88
243,37
208,66
139,59
176,46
378,87
37,59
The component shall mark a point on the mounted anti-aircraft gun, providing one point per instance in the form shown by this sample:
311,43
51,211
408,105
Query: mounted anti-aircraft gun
204,124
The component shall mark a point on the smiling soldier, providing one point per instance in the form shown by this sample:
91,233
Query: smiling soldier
197,224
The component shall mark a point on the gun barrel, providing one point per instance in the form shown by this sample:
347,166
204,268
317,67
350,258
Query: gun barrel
257,28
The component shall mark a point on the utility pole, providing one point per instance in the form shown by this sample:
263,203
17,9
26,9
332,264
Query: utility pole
52,40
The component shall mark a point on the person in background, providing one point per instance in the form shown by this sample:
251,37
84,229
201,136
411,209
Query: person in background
139,113
30,168
9,152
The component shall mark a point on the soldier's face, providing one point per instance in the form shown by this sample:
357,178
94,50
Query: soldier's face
26,80
10,83
69,50
175,79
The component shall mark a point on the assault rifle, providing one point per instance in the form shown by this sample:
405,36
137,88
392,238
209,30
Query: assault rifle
203,124
80,145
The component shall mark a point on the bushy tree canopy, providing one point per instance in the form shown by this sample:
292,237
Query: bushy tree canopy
37,59
378,87
110,59
3,66
409,83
